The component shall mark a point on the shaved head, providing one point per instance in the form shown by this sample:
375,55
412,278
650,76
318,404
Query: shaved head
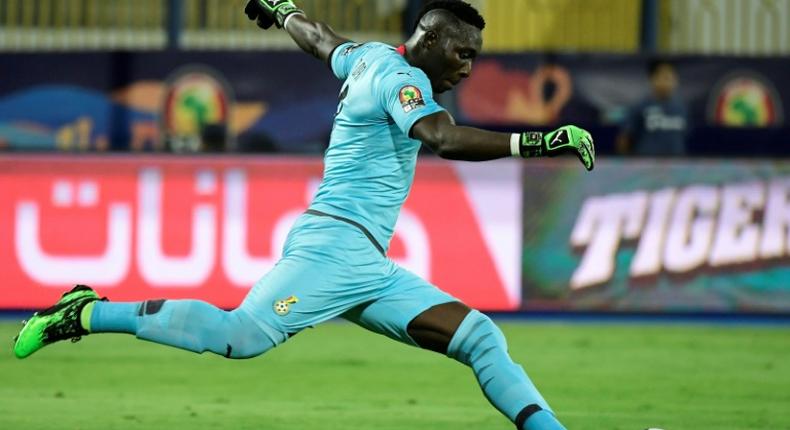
460,9
446,40
445,22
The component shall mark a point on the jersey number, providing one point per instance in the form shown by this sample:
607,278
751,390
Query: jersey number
343,95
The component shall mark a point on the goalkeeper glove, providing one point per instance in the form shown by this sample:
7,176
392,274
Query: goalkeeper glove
567,139
268,12
254,13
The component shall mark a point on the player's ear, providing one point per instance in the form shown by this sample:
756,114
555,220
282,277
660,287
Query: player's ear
429,39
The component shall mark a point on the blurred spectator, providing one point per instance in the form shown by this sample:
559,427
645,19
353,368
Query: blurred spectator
258,142
657,125
214,138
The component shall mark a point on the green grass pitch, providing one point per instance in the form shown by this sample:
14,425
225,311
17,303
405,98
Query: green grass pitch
338,376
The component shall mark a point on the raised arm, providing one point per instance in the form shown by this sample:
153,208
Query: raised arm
315,38
439,132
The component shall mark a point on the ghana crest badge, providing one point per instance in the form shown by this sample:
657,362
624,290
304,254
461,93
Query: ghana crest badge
283,307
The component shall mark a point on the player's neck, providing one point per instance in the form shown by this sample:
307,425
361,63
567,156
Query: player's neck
407,50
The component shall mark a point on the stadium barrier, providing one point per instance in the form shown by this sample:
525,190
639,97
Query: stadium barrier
729,27
562,25
82,24
211,24
56,25
209,228
759,28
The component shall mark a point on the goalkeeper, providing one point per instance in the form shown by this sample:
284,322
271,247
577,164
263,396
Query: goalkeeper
334,260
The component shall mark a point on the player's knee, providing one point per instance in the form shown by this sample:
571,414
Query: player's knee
244,348
476,338
244,338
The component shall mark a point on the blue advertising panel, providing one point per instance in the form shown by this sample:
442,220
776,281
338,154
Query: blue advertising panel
285,100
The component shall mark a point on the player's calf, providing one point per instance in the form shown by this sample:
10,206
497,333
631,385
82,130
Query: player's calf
192,325
187,324
480,344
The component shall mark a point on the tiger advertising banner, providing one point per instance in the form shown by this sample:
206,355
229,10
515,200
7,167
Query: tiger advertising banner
657,236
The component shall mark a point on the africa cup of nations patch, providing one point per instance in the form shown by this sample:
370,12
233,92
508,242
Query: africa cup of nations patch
411,98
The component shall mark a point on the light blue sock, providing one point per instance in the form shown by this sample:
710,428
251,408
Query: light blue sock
480,344
112,317
187,324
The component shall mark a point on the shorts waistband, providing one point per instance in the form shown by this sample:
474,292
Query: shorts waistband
359,226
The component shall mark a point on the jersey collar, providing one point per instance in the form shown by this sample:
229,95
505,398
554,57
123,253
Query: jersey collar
401,50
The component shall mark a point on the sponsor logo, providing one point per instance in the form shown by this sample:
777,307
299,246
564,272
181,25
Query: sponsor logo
361,67
745,99
655,119
560,139
283,307
499,94
196,97
682,231
210,229
411,98
349,49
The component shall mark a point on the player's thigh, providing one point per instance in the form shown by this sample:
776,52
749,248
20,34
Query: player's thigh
406,297
312,284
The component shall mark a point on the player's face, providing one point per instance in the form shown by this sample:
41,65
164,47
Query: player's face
453,60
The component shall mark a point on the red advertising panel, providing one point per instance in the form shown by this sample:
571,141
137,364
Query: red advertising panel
209,228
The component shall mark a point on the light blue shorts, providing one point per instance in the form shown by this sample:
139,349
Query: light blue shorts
330,268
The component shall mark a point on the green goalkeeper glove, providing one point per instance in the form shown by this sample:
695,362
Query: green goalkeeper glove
567,139
254,13
266,12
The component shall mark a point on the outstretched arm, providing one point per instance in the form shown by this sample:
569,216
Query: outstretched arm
315,38
439,132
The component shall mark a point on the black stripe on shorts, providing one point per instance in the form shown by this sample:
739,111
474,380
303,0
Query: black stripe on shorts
351,222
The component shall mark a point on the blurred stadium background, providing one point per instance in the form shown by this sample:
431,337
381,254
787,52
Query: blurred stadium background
161,148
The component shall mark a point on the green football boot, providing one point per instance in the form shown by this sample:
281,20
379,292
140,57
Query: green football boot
59,322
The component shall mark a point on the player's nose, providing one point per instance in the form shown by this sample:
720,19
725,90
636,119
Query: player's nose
466,70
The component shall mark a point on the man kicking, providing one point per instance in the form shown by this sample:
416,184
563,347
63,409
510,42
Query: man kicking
334,259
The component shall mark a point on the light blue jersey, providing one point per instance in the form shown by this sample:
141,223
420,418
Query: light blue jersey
369,166
329,266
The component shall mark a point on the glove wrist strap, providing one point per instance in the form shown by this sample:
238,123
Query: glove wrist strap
530,144
515,144
282,13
